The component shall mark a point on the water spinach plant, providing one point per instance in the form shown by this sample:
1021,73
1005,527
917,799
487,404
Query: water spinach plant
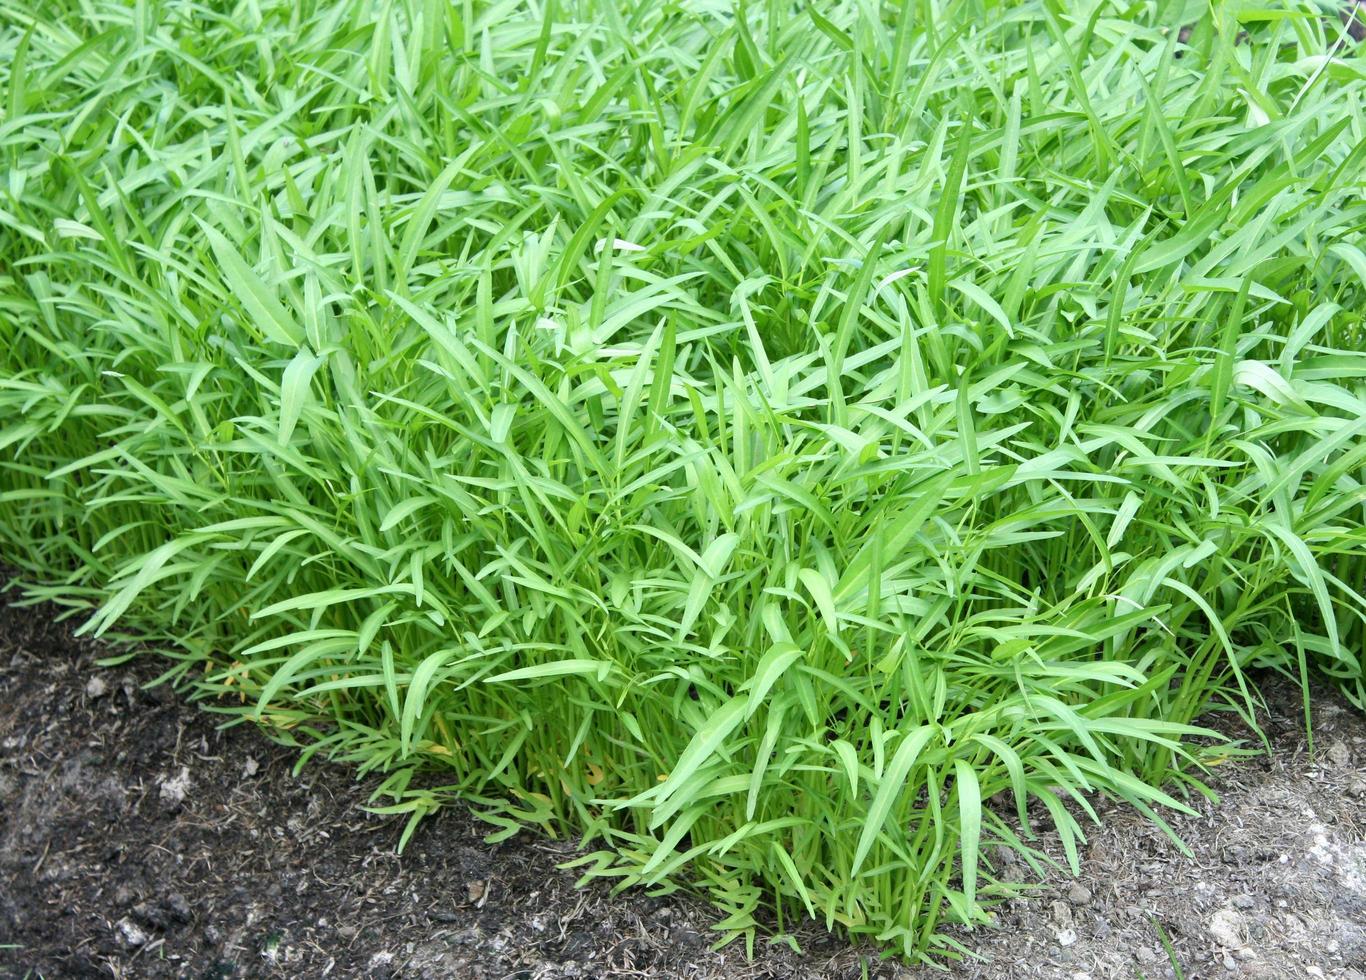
797,449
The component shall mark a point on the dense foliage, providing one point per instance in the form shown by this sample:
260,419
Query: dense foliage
793,446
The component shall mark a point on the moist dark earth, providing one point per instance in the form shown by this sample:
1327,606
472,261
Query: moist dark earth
139,840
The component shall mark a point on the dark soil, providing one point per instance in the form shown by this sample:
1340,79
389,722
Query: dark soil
138,840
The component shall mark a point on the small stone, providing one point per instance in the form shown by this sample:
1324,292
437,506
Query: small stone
96,688
1244,901
174,790
1226,928
131,933
1338,754
177,908
1079,894
1005,856
149,915
1062,915
250,768
1066,937
475,890
380,959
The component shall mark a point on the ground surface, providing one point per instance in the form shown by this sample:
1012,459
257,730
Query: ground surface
138,841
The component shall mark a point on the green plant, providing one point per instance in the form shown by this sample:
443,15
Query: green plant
1168,948
781,444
